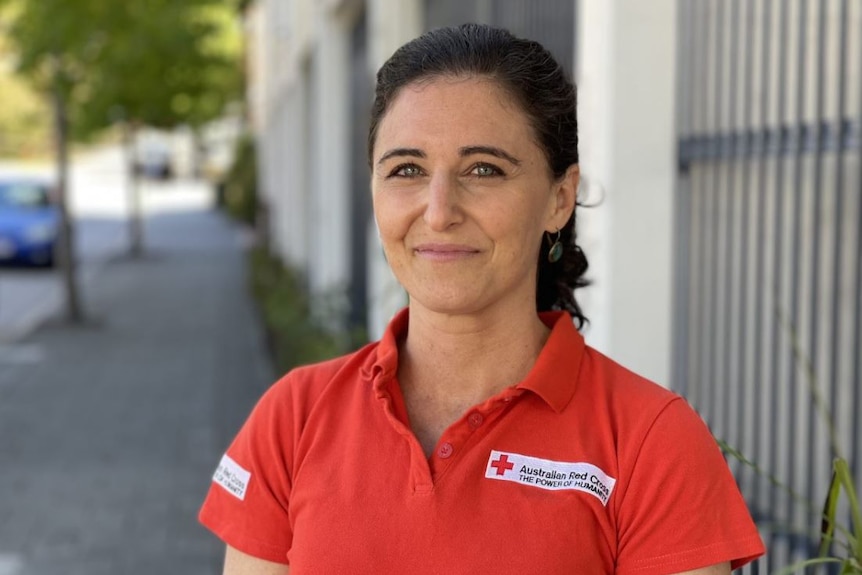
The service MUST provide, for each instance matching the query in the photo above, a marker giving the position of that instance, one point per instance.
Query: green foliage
(842, 481)
(25, 120)
(850, 541)
(847, 541)
(154, 62)
(240, 183)
(839, 544)
(294, 337)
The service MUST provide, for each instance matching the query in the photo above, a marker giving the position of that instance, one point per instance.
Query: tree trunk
(136, 231)
(198, 154)
(66, 251)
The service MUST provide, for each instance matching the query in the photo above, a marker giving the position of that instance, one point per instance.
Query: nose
(442, 210)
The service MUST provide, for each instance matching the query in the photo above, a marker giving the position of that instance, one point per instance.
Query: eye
(406, 171)
(486, 170)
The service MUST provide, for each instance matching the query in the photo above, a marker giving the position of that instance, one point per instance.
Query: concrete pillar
(329, 266)
(289, 166)
(282, 167)
(626, 76)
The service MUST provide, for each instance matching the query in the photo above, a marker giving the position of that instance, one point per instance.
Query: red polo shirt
(583, 467)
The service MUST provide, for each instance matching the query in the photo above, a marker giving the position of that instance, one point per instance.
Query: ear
(564, 198)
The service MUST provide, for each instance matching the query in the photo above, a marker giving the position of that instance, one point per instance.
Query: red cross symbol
(502, 465)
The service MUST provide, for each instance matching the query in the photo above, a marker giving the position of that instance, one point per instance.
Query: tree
(159, 63)
(178, 65)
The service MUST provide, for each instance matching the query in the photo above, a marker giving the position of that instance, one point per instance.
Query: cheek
(522, 224)
(391, 218)
(525, 241)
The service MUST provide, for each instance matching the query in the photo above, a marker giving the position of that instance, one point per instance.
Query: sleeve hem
(232, 536)
(738, 552)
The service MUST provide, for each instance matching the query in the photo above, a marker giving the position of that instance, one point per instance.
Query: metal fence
(768, 302)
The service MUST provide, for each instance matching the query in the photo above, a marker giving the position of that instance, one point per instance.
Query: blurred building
(720, 144)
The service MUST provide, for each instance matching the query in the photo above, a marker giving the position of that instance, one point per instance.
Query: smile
(444, 252)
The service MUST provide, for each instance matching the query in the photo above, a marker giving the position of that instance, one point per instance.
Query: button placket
(464, 434)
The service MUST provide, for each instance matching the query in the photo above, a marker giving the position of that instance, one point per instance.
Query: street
(110, 431)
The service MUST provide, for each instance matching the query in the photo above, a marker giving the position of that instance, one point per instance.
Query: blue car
(29, 221)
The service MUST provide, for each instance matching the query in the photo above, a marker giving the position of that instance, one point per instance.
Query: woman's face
(463, 195)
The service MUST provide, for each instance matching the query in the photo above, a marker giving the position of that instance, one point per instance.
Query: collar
(553, 377)
(382, 365)
(555, 373)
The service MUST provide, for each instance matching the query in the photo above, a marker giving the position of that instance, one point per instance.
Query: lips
(444, 252)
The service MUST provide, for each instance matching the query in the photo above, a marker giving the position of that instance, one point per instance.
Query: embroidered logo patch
(550, 475)
(232, 477)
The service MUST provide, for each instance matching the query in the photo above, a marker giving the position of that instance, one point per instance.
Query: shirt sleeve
(681, 509)
(247, 502)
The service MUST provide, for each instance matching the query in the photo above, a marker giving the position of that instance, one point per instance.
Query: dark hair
(536, 81)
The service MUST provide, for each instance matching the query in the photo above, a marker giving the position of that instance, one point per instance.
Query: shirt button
(475, 419)
(445, 451)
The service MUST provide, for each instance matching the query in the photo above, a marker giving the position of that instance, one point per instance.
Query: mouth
(444, 252)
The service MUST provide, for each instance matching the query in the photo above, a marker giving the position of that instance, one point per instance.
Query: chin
(449, 304)
(454, 302)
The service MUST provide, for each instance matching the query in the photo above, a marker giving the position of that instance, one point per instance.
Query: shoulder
(622, 392)
(637, 416)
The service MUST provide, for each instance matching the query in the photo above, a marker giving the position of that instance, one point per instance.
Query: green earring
(555, 252)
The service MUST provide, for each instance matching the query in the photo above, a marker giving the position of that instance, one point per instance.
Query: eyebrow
(463, 152)
(491, 151)
(398, 152)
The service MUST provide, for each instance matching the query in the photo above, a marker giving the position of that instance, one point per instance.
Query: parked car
(154, 159)
(29, 221)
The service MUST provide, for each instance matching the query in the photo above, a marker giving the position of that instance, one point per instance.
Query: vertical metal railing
(838, 211)
(856, 341)
(761, 143)
(798, 141)
(683, 208)
(769, 232)
(777, 271)
(743, 150)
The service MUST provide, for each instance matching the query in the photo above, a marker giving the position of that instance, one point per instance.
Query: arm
(720, 569)
(238, 563)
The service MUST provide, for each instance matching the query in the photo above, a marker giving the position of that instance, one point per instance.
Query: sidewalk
(109, 433)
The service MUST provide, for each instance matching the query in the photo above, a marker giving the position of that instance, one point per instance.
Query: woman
(480, 435)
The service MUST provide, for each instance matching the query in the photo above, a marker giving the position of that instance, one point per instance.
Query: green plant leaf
(739, 456)
(842, 472)
(830, 506)
(801, 565)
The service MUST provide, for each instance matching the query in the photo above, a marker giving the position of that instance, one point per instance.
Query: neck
(468, 358)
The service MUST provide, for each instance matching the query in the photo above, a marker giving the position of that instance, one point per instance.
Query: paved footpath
(109, 433)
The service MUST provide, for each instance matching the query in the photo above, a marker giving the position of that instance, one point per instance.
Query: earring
(555, 252)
